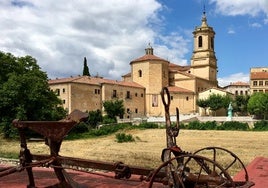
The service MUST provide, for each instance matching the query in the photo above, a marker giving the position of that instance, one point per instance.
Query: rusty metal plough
(180, 169)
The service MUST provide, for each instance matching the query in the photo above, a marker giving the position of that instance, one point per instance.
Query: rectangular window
(260, 83)
(266, 83)
(128, 95)
(142, 95)
(171, 97)
(97, 91)
(57, 91)
(255, 83)
(63, 90)
(136, 110)
(154, 101)
(114, 94)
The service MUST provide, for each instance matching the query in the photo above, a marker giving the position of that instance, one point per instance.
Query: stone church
(140, 89)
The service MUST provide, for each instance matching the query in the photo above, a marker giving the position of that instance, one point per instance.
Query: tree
(240, 104)
(94, 118)
(114, 108)
(215, 102)
(203, 103)
(258, 104)
(85, 70)
(25, 93)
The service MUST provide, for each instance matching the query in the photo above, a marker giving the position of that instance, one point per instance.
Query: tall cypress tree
(85, 70)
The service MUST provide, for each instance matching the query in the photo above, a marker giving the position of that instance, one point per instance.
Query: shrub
(82, 127)
(108, 129)
(107, 120)
(147, 125)
(122, 137)
(194, 125)
(261, 126)
(210, 125)
(233, 125)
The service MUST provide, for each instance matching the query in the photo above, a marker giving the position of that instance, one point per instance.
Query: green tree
(114, 108)
(240, 104)
(94, 118)
(258, 105)
(25, 93)
(203, 103)
(85, 70)
(215, 102)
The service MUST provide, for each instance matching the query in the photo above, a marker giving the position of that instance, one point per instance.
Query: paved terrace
(44, 177)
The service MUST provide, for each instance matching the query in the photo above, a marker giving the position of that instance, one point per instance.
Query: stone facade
(259, 79)
(140, 89)
(238, 88)
(88, 93)
(217, 91)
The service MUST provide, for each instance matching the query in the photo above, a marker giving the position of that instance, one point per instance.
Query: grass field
(148, 145)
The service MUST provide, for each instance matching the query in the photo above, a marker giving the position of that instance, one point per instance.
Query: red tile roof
(239, 83)
(176, 89)
(258, 75)
(148, 57)
(175, 67)
(93, 81)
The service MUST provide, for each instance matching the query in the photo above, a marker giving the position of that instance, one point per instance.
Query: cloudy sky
(111, 33)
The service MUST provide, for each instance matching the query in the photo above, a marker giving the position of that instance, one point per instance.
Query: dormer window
(200, 42)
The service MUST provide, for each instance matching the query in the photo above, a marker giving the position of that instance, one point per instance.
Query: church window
(212, 42)
(200, 42)
(140, 73)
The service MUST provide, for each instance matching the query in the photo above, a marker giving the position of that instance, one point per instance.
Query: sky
(110, 34)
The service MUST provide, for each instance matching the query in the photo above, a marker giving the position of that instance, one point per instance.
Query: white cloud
(256, 25)
(59, 34)
(241, 7)
(242, 77)
(231, 31)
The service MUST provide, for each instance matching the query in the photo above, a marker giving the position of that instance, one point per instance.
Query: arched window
(140, 73)
(200, 41)
(212, 42)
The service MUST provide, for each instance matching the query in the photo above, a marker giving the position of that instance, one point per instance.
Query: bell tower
(203, 61)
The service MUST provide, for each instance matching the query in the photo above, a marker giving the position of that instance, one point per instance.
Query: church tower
(203, 61)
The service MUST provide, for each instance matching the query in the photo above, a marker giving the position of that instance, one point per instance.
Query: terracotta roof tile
(258, 75)
(239, 83)
(148, 57)
(175, 67)
(176, 89)
(93, 81)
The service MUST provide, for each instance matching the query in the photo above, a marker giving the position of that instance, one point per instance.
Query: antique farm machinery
(180, 169)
